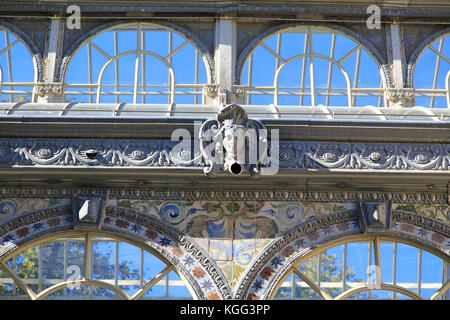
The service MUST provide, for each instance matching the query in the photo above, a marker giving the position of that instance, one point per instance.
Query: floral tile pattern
(11, 208)
(233, 230)
(438, 212)
(164, 242)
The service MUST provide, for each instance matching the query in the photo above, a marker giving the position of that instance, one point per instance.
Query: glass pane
(387, 261)
(303, 291)
(84, 292)
(432, 274)
(285, 290)
(6, 286)
(377, 295)
(129, 267)
(177, 288)
(152, 266)
(331, 270)
(407, 266)
(103, 260)
(26, 264)
(357, 264)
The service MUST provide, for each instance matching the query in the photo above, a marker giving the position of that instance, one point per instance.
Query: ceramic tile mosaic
(438, 212)
(10, 208)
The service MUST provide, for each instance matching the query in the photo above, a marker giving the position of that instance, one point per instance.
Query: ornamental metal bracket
(375, 216)
(44, 88)
(88, 211)
(233, 143)
(401, 97)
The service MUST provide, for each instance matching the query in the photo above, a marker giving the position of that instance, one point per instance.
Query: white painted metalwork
(105, 52)
(15, 59)
(433, 64)
(329, 280)
(309, 57)
(29, 279)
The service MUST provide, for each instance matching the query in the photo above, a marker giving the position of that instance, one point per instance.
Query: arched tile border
(262, 277)
(196, 266)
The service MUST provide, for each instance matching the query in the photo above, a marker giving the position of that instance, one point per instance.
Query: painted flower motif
(288, 251)
(213, 296)
(422, 232)
(136, 228)
(53, 222)
(266, 273)
(198, 272)
(437, 237)
(300, 243)
(313, 236)
(407, 227)
(163, 241)
(342, 226)
(207, 285)
(188, 261)
(23, 232)
(122, 223)
(151, 234)
(177, 251)
(38, 226)
(8, 238)
(252, 296)
(275, 262)
(257, 285)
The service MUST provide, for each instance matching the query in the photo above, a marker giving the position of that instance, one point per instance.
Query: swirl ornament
(421, 158)
(291, 215)
(329, 156)
(172, 213)
(44, 153)
(138, 155)
(8, 209)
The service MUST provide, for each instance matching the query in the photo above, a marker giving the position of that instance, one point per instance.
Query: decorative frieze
(297, 155)
(240, 195)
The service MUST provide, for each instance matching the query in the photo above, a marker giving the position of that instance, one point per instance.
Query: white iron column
(399, 96)
(225, 59)
(49, 91)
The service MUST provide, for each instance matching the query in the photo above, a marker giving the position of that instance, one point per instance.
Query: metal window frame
(110, 284)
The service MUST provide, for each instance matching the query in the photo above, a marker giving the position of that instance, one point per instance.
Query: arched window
(137, 63)
(312, 66)
(89, 267)
(432, 74)
(17, 70)
(378, 269)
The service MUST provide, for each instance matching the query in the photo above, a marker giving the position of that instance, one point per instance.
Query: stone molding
(232, 195)
(297, 155)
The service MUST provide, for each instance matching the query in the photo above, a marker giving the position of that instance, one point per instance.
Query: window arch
(105, 267)
(431, 73)
(17, 68)
(312, 66)
(137, 63)
(378, 268)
